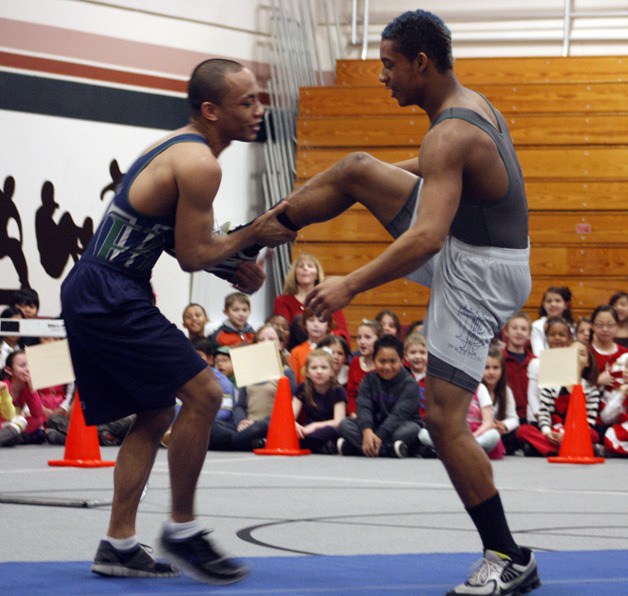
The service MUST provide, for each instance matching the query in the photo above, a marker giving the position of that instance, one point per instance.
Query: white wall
(74, 154)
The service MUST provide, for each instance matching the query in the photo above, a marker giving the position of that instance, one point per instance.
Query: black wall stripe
(69, 99)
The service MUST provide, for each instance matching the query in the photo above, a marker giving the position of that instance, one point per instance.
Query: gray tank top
(502, 223)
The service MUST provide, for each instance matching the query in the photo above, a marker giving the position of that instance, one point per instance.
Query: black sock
(490, 520)
(285, 221)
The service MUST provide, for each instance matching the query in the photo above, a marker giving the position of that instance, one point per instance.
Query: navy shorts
(127, 356)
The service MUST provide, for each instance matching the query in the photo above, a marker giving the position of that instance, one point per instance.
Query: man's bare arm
(196, 246)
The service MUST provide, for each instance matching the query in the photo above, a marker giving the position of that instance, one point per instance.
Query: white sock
(181, 531)
(123, 543)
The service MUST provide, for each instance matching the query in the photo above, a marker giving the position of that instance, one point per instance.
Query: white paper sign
(558, 367)
(256, 363)
(50, 364)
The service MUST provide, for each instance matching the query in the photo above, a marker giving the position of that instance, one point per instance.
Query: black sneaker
(498, 574)
(198, 556)
(137, 562)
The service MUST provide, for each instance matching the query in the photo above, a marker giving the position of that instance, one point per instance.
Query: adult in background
(128, 358)
(304, 274)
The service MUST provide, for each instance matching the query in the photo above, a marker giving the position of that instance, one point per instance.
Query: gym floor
(317, 524)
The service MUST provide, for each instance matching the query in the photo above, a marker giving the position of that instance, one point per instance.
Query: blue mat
(562, 573)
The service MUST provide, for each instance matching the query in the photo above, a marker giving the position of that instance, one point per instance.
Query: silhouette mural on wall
(9, 246)
(116, 176)
(57, 242)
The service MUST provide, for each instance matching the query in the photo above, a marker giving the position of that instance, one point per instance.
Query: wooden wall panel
(512, 71)
(373, 99)
(569, 121)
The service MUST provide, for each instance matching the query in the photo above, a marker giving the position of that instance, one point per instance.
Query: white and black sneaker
(227, 268)
(137, 562)
(200, 558)
(498, 574)
(400, 449)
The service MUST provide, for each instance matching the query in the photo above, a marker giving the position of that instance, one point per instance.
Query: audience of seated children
(26, 400)
(604, 325)
(387, 420)
(235, 330)
(304, 274)
(558, 333)
(415, 356)
(614, 413)
(319, 404)
(517, 356)
(367, 334)
(195, 320)
(254, 404)
(391, 325)
(316, 329)
(556, 303)
(619, 301)
(339, 349)
(546, 439)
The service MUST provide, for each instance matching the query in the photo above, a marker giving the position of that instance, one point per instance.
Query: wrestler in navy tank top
(128, 240)
(502, 223)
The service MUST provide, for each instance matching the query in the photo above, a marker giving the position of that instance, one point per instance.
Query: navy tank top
(504, 222)
(126, 239)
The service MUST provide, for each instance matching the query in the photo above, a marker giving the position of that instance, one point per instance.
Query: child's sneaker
(400, 449)
(137, 562)
(498, 574)
(198, 556)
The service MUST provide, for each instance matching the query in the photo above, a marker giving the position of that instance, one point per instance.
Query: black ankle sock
(285, 221)
(490, 520)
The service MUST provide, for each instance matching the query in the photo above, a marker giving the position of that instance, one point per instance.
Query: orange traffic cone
(81, 445)
(282, 435)
(576, 446)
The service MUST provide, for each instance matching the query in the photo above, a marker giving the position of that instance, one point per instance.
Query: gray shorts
(475, 290)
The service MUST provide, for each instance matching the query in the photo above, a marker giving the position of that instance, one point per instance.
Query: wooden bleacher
(569, 120)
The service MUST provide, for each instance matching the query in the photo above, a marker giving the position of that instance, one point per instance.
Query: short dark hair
(206, 345)
(26, 296)
(421, 31)
(388, 341)
(207, 81)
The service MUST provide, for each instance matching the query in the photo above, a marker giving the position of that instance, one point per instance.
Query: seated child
(546, 439)
(251, 414)
(338, 347)
(235, 330)
(323, 402)
(316, 329)
(614, 414)
(367, 334)
(415, 354)
(387, 420)
(25, 399)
